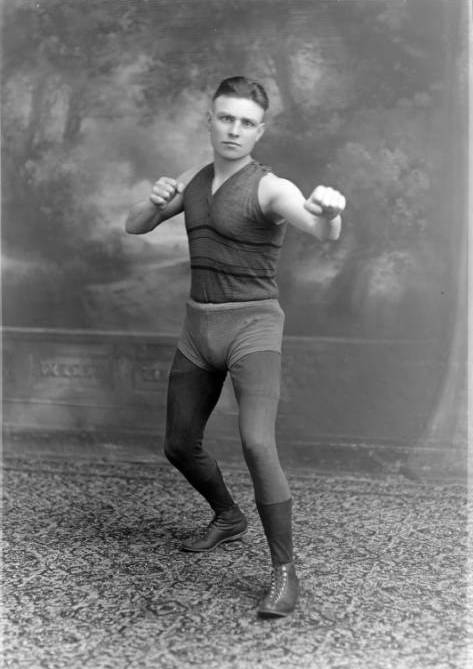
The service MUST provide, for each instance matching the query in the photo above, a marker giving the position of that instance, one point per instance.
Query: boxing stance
(236, 214)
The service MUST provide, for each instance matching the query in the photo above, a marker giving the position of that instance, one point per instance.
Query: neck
(225, 168)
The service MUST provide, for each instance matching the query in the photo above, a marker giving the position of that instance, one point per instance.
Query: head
(236, 117)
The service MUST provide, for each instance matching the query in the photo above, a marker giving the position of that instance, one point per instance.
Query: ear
(260, 133)
(209, 118)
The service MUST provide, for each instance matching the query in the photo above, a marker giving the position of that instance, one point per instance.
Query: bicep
(286, 202)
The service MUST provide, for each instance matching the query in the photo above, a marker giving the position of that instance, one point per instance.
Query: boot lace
(278, 584)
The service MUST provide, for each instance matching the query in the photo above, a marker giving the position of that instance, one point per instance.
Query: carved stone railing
(342, 399)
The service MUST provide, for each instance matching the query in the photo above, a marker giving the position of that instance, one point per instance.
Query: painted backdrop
(102, 97)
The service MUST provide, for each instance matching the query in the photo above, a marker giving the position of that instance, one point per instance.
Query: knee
(257, 449)
(182, 444)
(174, 448)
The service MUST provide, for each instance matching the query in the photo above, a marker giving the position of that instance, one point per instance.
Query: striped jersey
(234, 248)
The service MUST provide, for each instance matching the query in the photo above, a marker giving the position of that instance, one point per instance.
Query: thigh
(257, 374)
(192, 394)
(256, 379)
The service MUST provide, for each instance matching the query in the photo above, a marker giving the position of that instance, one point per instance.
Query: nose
(234, 129)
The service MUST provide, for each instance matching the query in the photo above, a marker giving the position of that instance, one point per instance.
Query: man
(236, 214)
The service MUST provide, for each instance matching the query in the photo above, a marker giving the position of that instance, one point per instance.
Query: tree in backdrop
(95, 101)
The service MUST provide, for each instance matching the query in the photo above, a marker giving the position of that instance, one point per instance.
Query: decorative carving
(71, 369)
(150, 372)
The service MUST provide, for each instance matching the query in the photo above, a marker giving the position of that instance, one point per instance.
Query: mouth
(232, 144)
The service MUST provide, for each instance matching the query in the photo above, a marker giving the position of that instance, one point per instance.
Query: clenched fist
(164, 190)
(326, 202)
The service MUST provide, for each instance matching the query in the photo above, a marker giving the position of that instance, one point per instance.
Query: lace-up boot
(283, 593)
(228, 525)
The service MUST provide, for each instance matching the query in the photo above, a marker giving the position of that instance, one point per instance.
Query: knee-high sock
(277, 525)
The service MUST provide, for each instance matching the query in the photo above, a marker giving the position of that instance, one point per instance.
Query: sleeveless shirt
(234, 248)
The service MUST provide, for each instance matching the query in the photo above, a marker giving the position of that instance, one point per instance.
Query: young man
(236, 213)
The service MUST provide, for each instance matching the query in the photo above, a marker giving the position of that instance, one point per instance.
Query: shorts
(215, 336)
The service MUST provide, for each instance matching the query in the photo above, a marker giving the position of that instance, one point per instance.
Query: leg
(256, 379)
(193, 393)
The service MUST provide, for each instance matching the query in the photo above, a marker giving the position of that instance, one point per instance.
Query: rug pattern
(94, 578)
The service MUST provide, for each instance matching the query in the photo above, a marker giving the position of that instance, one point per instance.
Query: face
(235, 125)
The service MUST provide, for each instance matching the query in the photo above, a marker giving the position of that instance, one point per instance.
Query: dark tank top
(234, 248)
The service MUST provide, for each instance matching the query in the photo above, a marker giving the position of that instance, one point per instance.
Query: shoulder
(186, 177)
(272, 188)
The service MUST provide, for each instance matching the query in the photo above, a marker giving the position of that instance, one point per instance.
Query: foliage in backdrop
(102, 97)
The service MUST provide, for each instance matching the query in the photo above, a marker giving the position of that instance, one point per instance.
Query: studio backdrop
(101, 98)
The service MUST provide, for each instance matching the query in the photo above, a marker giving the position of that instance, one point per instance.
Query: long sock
(277, 525)
(192, 395)
(213, 489)
(216, 492)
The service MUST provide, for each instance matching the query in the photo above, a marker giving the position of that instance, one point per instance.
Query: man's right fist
(164, 190)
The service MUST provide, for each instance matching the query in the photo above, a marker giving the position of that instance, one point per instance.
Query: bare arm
(319, 215)
(145, 216)
(165, 201)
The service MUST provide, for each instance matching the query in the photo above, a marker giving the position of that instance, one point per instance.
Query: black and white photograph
(235, 329)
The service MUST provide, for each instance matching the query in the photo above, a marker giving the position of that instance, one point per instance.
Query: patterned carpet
(93, 575)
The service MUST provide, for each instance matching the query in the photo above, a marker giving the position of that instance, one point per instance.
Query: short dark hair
(242, 87)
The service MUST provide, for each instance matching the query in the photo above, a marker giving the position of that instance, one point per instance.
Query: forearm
(142, 218)
(318, 226)
(326, 230)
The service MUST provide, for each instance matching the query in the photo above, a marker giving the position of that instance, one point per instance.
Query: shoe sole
(235, 537)
(273, 614)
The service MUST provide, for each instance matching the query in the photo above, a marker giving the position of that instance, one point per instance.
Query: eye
(248, 124)
(226, 118)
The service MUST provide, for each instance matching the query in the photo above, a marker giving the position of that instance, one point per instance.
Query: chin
(232, 155)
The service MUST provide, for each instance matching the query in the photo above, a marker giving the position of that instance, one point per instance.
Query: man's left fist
(326, 202)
